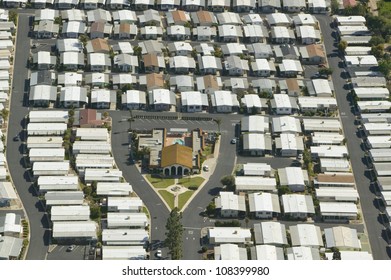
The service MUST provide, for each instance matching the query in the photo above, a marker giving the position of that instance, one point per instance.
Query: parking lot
(61, 253)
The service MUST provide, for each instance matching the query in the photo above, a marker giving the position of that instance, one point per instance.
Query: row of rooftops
(69, 210)
(271, 237)
(316, 6)
(370, 88)
(173, 17)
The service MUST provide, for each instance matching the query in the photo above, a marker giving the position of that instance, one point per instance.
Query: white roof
(298, 203)
(291, 65)
(338, 209)
(306, 235)
(264, 202)
(291, 176)
(255, 124)
(100, 134)
(342, 237)
(50, 166)
(10, 224)
(104, 175)
(308, 102)
(337, 193)
(230, 252)
(75, 229)
(303, 253)
(125, 236)
(270, 233)
(70, 213)
(307, 31)
(194, 98)
(70, 78)
(120, 220)
(375, 106)
(352, 255)
(46, 153)
(350, 20)
(229, 234)
(331, 151)
(48, 116)
(256, 168)
(125, 204)
(114, 189)
(230, 201)
(223, 98)
(46, 128)
(304, 19)
(181, 61)
(161, 96)
(123, 253)
(278, 18)
(322, 86)
(269, 252)
(372, 92)
(256, 141)
(252, 100)
(362, 60)
(91, 147)
(335, 164)
(134, 97)
(7, 191)
(286, 124)
(255, 183)
(289, 142)
(331, 125)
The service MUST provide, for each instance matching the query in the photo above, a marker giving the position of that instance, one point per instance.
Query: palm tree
(218, 122)
(130, 120)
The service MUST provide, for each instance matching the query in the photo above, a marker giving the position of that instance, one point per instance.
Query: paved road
(40, 235)
(367, 198)
(120, 143)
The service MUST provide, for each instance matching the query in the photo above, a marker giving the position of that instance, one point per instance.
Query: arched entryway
(180, 170)
(167, 171)
(173, 171)
(187, 171)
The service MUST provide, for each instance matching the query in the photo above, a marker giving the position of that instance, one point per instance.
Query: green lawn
(168, 197)
(145, 210)
(187, 182)
(207, 151)
(160, 183)
(183, 198)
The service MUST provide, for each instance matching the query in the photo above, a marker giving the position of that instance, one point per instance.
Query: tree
(326, 71)
(218, 122)
(342, 45)
(174, 234)
(84, 39)
(218, 52)
(210, 209)
(334, 6)
(13, 16)
(378, 51)
(95, 211)
(228, 181)
(336, 254)
(385, 67)
(137, 50)
(57, 20)
(376, 40)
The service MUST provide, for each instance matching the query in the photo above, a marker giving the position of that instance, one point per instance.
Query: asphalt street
(375, 229)
(39, 228)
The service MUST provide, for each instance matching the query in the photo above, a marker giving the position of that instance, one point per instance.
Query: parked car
(205, 168)
(71, 248)
(16, 138)
(159, 254)
(319, 76)
(233, 141)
